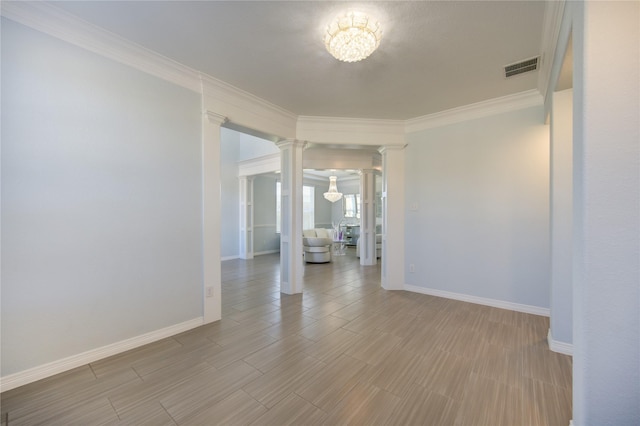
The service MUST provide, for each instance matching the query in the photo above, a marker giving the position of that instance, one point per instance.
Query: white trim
(60, 24)
(518, 307)
(551, 24)
(350, 131)
(557, 346)
(259, 165)
(247, 110)
(222, 259)
(323, 157)
(244, 108)
(21, 378)
(211, 214)
(482, 109)
(260, 253)
(238, 105)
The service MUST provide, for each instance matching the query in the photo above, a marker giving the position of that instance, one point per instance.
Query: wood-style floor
(344, 352)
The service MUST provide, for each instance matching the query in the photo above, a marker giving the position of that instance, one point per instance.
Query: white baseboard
(260, 253)
(518, 307)
(557, 346)
(40, 372)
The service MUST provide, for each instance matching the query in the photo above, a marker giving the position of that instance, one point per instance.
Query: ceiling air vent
(521, 67)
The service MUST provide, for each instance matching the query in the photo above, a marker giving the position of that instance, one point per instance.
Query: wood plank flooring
(344, 352)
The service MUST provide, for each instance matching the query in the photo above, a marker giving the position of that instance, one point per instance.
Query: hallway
(344, 352)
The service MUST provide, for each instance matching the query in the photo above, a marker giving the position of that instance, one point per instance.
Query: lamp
(352, 37)
(333, 195)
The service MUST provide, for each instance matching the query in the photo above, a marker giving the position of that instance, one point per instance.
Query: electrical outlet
(209, 291)
(412, 268)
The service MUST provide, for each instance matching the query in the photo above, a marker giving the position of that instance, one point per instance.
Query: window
(308, 207)
(351, 205)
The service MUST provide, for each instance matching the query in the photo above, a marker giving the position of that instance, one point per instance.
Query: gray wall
(230, 194)
(235, 147)
(265, 238)
(322, 213)
(561, 301)
(254, 147)
(101, 201)
(482, 194)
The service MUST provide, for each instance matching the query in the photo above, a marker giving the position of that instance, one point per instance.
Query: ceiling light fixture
(333, 195)
(352, 37)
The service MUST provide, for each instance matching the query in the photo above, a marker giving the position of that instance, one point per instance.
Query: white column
(606, 213)
(291, 266)
(246, 217)
(212, 275)
(561, 220)
(367, 241)
(393, 217)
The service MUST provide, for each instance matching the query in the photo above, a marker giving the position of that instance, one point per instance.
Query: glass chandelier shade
(333, 195)
(352, 37)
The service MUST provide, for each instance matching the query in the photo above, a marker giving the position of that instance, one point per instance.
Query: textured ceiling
(433, 56)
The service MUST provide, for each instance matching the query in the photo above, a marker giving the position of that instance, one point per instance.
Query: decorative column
(291, 266)
(367, 241)
(606, 213)
(212, 274)
(560, 338)
(246, 217)
(393, 217)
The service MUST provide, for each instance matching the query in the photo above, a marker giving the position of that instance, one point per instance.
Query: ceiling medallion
(352, 37)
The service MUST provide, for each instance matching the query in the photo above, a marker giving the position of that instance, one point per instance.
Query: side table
(338, 247)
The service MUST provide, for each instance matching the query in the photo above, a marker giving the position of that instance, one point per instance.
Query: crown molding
(236, 105)
(60, 24)
(214, 118)
(482, 109)
(255, 166)
(388, 148)
(552, 22)
(350, 131)
(344, 159)
(247, 110)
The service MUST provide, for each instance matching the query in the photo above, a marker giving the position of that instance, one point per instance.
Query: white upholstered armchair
(316, 244)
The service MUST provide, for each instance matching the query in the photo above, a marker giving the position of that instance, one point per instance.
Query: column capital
(386, 148)
(372, 171)
(215, 118)
(290, 142)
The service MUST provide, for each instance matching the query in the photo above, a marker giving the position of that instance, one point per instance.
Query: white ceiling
(433, 55)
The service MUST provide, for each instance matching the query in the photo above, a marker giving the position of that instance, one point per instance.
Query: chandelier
(352, 37)
(333, 195)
